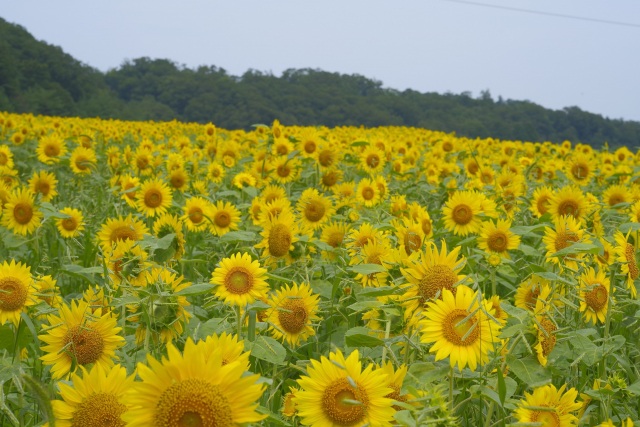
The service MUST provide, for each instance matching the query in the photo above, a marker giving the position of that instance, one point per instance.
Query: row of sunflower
(181, 274)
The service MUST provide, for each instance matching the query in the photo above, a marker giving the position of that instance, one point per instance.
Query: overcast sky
(426, 45)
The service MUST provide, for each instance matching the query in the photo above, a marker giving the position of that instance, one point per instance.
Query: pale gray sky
(426, 45)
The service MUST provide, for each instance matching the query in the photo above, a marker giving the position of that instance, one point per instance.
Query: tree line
(40, 78)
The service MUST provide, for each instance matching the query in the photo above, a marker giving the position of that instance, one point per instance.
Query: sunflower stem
(387, 332)
(451, 388)
(239, 321)
(251, 332)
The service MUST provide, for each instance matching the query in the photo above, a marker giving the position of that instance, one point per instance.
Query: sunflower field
(178, 274)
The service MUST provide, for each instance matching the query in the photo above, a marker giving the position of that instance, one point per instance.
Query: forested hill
(40, 78)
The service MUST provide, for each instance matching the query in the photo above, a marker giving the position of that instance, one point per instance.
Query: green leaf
(528, 230)
(359, 144)
(377, 292)
(323, 288)
(210, 327)
(579, 247)
(365, 305)
(267, 349)
(85, 273)
(405, 418)
(528, 370)
(239, 236)
(365, 269)
(197, 289)
(424, 373)
(629, 226)
(359, 337)
(502, 387)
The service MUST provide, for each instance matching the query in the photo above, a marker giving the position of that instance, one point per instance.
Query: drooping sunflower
(292, 313)
(162, 309)
(20, 213)
(163, 226)
(197, 213)
(188, 389)
(569, 201)
(429, 276)
(462, 213)
(71, 226)
(83, 160)
(93, 399)
(17, 291)
(565, 233)
(127, 228)
(154, 197)
(78, 336)
(314, 208)
(50, 149)
(368, 193)
(594, 295)
(549, 406)
(497, 238)
(459, 328)
(278, 237)
(44, 183)
(224, 218)
(240, 280)
(337, 392)
(626, 255)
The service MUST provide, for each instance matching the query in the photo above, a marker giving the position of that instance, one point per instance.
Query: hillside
(40, 78)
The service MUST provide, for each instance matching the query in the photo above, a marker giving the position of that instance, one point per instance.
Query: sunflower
(395, 378)
(285, 169)
(549, 407)
(163, 313)
(569, 201)
(240, 280)
(498, 313)
(626, 255)
(127, 261)
(333, 234)
(228, 348)
(143, 161)
(634, 214)
(72, 225)
(616, 194)
(331, 178)
(77, 336)
(273, 209)
(529, 291)
(83, 160)
(410, 235)
(197, 213)
(6, 157)
(338, 392)
(215, 172)
(565, 233)
(292, 313)
(16, 291)
(540, 201)
(374, 252)
(96, 398)
(44, 183)
(545, 326)
(273, 192)
(580, 169)
(46, 290)
(498, 238)
(163, 226)
(20, 214)
(459, 328)
(462, 213)
(153, 198)
(289, 408)
(244, 179)
(129, 186)
(178, 179)
(224, 218)
(278, 237)
(358, 237)
(372, 160)
(429, 276)
(50, 149)
(594, 295)
(187, 389)
(314, 208)
(127, 228)
(626, 423)
(368, 193)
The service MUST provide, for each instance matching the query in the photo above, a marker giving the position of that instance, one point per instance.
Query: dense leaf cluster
(40, 78)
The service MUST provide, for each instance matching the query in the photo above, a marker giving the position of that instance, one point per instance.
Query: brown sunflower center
(472, 167)
(142, 162)
(283, 171)
(412, 242)
(462, 214)
(43, 187)
(548, 339)
(616, 198)
(238, 281)
(99, 409)
(543, 204)
(395, 395)
(373, 160)
(531, 298)
(437, 278)
(69, 224)
(279, 240)
(459, 331)
(128, 192)
(222, 219)
(13, 293)
(546, 418)
(84, 343)
(335, 239)
(293, 315)
(193, 403)
(22, 213)
(82, 163)
(580, 171)
(630, 255)
(314, 211)
(330, 179)
(368, 193)
(344, 404)
(196, 215)
(498, 241)
(325, 158)
(309, 147)
(152, 198)
(597, 297)
(569, 207)
(426, 226)
(177, 180)
(123, 232)
(51, 150)
(565, 239)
